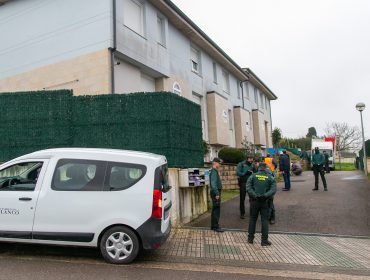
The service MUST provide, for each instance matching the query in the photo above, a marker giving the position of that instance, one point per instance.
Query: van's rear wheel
(119, 245)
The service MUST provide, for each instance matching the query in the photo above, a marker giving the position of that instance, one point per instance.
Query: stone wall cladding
(228, 176)
(87, 74)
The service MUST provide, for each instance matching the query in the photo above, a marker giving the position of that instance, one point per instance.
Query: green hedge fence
(158, 122)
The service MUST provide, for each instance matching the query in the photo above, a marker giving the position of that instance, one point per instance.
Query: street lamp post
(360, 107)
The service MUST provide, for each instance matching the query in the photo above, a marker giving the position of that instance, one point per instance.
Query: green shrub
(231, 155)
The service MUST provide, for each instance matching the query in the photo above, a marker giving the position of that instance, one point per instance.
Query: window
(161, 179)
(161, 31)
(247, 90)
(262, 100)
(133, 16)
(238, 88)
(256, 96)
(176, 88)
(198, 99)
(78, 175)
(195, 60)
(215, 72)
(266, 103)
(20, 177)
(225, 82)
(230, 116)
(121, 176)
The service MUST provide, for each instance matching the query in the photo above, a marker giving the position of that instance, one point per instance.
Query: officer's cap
(216, 159)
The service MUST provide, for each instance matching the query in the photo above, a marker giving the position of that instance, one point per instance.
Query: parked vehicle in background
(115, 200)
(327, 145)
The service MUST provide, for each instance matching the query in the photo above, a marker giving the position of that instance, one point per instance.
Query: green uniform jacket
(242, 170)
(261, 184)
(215, 182)
(326, 158)
(318, 159)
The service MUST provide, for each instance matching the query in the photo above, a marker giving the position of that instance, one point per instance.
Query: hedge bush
(231, 155)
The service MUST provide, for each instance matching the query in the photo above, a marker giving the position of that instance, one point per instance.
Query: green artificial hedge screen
(157, 122)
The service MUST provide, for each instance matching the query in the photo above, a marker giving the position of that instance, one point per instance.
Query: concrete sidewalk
(298, 252)
(343, 210)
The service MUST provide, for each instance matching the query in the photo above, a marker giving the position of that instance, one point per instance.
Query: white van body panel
(22, 217)
(66, 213)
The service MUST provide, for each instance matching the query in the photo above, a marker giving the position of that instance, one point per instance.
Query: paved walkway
(343, 210)
(231, 246)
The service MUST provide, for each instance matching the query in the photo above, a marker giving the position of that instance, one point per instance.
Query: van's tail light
(157, 204)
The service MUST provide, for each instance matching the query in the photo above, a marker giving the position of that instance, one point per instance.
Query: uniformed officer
(326, 155)
(270, 201)
(318, 161)
(215, 191)
(261, 186)
(244, 170)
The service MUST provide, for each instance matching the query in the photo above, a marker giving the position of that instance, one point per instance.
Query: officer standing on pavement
(284, 165)
(326, 155)
(261, 186)
(215, 191)
(244, 170)
(318, 161)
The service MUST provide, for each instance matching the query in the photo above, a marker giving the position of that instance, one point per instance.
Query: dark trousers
(286, 176)
(327, 169)
(318, 169)
(216, 211)
(259, 207)
(243, 193)
(271, 209)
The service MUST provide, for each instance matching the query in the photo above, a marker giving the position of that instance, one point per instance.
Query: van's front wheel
(119, 245)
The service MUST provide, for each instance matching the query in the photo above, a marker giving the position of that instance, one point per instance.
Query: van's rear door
(163, 184)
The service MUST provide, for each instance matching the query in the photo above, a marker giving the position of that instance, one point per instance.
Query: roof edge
(268, 91)
(178, 11)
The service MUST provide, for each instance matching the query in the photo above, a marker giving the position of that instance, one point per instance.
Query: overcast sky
(313, 54)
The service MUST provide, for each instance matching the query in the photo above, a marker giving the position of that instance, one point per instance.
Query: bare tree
(348, 138)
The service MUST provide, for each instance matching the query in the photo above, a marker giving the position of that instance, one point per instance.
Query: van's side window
(20, 177)
(121, 176)
(79, 175)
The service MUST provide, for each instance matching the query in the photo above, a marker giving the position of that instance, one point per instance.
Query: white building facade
(124, 46)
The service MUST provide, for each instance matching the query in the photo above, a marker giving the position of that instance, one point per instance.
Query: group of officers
(258, 181)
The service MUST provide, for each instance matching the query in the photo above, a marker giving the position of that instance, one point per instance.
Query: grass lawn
(229, 194)
(345, 167)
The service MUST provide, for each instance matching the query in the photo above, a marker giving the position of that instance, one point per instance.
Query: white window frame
(161, 30)
(140, 32)
(214, 65)
(230, 117)
(198, 99)
(262, 100)
(256, 96)
(195, 60)
(247, 90)
(176, 89)
(238, 89)
(225, 81)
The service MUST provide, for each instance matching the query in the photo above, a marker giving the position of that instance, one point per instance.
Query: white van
(116, 200)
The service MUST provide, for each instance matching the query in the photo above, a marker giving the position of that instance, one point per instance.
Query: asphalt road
(343, 210)
(39, 269)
